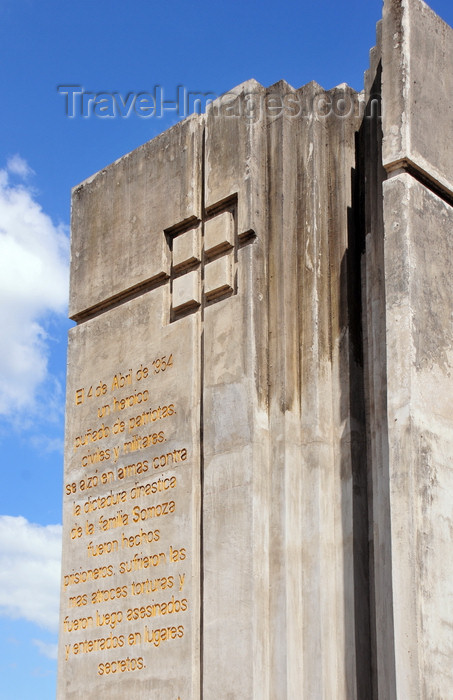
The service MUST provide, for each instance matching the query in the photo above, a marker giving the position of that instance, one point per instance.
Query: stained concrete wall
(258, 436)
(407, 327)
(418, 85)
(418, 255)
(243, 282)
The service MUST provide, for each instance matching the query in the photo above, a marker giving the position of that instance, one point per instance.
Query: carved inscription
(128, 498)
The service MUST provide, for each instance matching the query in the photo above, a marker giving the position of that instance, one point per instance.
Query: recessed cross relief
(197, 258)
(204, 259)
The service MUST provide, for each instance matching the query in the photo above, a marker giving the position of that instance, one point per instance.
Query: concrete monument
(258, 473)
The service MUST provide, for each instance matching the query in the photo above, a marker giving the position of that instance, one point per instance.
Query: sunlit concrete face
(183, 373)
(257, 425)
(131, 551)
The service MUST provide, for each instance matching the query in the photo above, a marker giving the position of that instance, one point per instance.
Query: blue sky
(102, 46)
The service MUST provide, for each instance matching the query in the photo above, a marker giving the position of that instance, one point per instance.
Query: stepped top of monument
(403, 53)
(404, 73)
(254, 102)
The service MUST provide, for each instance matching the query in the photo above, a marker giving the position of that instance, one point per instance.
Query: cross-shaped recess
(204, 260)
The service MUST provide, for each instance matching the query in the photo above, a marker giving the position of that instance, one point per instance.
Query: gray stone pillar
(258, 439)
(209, 491)
(408, 327)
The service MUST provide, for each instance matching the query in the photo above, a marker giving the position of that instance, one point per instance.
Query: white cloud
(47, 444)
(18, 166)
(46, 649)
(33, 283)
(30, 563)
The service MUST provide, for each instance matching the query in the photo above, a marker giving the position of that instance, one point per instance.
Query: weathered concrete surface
(369, 260)
(407, 342)
(132, 500)
(419, 341)
(235, 438)
(131, 552)
(286, 478)
(417, 53)
(259, 440)
(251, 305)
(118, 215)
